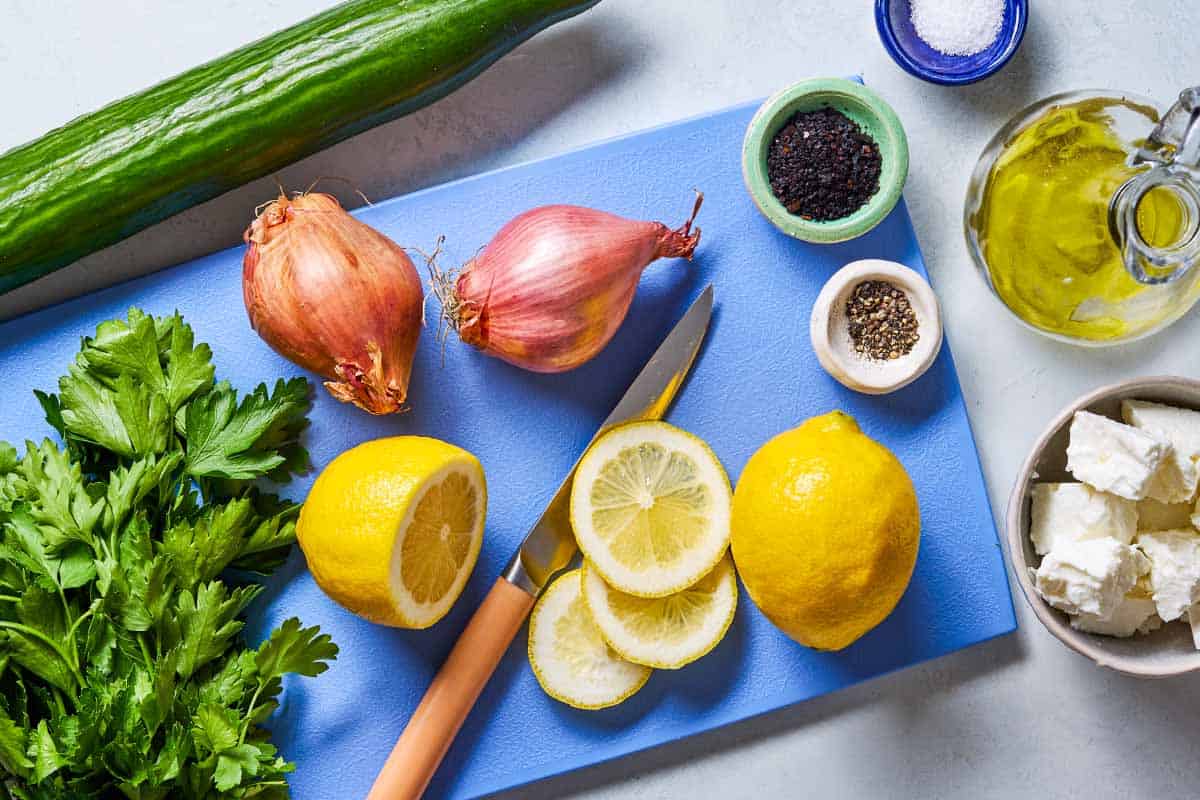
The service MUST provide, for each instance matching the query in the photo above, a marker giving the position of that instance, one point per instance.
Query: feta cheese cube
(1112, 457)
(1174, 570)
(1134, 614)
(1090, 576)
(1071, 511)
(1153, 515)
(1176, 479)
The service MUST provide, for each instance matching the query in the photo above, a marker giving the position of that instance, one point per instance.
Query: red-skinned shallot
(335, 296)
(552, 287)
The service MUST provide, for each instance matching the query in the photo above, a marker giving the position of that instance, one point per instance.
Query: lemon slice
(570, 658)
(666, 632)
(650, 507)
(392, 528)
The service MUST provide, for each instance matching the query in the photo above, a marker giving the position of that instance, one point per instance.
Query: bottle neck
(1155, 215)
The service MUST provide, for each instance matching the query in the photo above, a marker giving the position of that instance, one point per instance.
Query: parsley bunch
(122, 669)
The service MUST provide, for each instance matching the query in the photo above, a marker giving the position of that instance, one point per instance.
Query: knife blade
(550, 545)
(547, 549)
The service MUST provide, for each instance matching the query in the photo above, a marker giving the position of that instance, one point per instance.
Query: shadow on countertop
(907, 689)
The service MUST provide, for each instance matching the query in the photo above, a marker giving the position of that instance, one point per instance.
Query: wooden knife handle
(453, 692)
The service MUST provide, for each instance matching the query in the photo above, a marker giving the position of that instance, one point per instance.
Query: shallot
(335, 296)
(551, 289)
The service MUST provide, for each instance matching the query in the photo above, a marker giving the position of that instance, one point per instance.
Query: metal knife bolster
(550, 545)
(547, 549)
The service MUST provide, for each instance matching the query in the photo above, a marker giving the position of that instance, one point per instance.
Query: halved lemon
(665, 632)
(392, 528)
(570, 658)
(650, 507)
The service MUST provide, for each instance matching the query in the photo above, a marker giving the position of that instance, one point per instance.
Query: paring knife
(549, 548)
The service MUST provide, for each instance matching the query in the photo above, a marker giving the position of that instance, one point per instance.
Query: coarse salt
(958, 27)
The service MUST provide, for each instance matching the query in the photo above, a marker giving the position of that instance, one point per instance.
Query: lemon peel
(826, 529)
(392, 528)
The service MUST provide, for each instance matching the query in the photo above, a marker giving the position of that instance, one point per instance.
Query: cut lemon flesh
(392, 528)
(650, 506)
(665, 632)
(437, 548)
(568, 655)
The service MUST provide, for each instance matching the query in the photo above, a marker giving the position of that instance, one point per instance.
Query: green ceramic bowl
(858, 103)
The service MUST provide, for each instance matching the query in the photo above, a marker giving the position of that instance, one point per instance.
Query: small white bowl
(830, 330)
(1168, 650)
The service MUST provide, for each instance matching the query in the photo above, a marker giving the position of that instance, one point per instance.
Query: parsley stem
(62, 595)
(53, 645)
(145, 651)
(8, 598)
(58, 701)
(77, 622)
(74, 627)
(250, 712)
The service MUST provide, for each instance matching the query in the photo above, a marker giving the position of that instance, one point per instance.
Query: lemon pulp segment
(439, 538)
(568, 655)
(666, 632)
(650, 507)
(649, 504)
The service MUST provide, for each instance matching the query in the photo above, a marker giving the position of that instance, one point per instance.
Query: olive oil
(1043, 222)
(1161, 217)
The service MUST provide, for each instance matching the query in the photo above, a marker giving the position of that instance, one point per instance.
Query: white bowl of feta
(1103, 526)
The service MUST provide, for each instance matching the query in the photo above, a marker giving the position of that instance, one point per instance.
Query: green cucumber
(111, 173)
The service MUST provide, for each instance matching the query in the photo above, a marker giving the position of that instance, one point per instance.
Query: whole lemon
(825, 531)
(392, 528)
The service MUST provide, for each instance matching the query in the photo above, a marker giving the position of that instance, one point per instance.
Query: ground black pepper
(883, 325)
(822, 166)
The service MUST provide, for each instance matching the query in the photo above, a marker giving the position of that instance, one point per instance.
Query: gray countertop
(1020, 715)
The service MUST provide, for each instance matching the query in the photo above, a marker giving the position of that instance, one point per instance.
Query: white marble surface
(1019, 716)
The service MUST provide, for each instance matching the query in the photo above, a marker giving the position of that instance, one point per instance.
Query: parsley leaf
(12, 747)
(250, 440)
(130, 486)
(129, 418)
(158, 353)
(59, 501)
(40, 657)
(201, 549)
(44, 754)
(122, 663)
(269, 544)
(216, 732)
(8, 458)
(291, 648)
(189, 368)
(204, 623)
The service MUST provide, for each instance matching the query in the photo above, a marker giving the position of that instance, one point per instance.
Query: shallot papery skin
(335, 296)
(551, 289)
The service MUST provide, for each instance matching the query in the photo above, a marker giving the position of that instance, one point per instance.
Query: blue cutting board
(757, 376)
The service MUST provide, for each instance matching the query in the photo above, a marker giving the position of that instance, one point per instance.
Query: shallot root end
(443, 284)
(682, 242)
(367, 388)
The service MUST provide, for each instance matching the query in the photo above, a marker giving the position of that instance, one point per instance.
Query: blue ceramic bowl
(893, 18)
